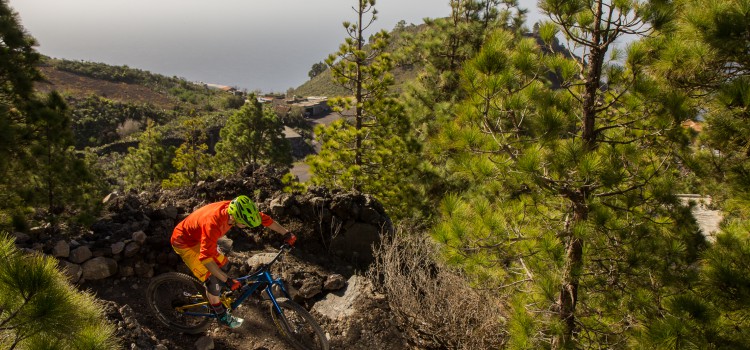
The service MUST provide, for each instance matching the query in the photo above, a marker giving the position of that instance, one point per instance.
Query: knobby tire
(298, 327)
(172, 289)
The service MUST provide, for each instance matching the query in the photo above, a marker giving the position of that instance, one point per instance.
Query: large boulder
(343, 304)
(334, 282)
(80, 254)
(258, 260)
(143, 269)
(99, 268)
(72, 271)
(131, 249)
(118, 247)
(21, 237)
(204, 343)
(140, 237)
(310, 288)
(61, 249)
(169, 212)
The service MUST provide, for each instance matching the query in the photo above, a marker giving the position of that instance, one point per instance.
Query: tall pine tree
(38, 167)
(568, 206)
(60, 174)
(442, 49)
(705, 57)
(18, 73)
(369, 151)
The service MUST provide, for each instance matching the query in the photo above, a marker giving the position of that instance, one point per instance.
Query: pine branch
(15, 313)
(633, 187)
(504, 286)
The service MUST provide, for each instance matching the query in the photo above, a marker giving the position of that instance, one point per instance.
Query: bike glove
(290, 238)
(232, 284)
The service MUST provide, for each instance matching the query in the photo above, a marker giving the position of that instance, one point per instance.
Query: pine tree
(448, 42)
(704, 57)
(40, 309)
(317, 69)
(191, 160)
(442, 49)
(150, 162)
(371, 151)
(38, 166)
(252, 136)
(18, 73)
(57, 172)
(568, 202)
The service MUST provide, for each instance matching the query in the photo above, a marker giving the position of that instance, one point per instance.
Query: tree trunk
(568, 298)
(574, 256)
(593, 82)
(569, 291)
(358, 96)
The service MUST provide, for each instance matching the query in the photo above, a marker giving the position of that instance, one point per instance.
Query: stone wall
(131, 238)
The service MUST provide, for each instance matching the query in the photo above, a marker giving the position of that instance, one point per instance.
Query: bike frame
(251, 283)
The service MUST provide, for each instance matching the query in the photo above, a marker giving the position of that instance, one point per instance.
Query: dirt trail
(257, 332)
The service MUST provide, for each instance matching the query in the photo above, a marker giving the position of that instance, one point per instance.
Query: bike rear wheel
(170, 291)
(298, 326)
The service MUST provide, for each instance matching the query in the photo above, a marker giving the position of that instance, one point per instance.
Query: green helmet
(244, 211)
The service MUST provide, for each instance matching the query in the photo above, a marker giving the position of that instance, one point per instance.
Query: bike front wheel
(298, 326)
(178, 301)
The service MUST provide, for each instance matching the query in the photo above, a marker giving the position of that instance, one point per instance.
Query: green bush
(233, 102)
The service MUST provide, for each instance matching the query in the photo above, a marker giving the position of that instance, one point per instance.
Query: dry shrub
(433, 303)
(128, 127)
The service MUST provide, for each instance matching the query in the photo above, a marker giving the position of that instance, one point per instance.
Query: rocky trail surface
(118, 255)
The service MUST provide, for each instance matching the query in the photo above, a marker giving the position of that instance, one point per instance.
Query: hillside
(323, 84)
(403, 72)
(109, 103)
(72, 84)
(129, 85)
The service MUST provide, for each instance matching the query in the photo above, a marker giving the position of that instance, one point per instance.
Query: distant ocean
(248, 44)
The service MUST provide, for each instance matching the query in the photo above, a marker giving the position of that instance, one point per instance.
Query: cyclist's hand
(232, 284)
(290, 238)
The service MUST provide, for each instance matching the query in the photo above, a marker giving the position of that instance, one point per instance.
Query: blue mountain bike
(179, 301)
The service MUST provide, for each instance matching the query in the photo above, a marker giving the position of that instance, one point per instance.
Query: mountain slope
(323, 84)
(81, 86)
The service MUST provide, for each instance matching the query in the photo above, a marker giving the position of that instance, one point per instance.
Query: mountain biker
(195, 240)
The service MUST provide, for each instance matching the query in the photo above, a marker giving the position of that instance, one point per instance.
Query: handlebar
(283, 249)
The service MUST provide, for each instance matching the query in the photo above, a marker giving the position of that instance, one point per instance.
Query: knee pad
(213, 286)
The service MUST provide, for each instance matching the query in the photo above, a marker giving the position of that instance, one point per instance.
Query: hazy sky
(252, 44)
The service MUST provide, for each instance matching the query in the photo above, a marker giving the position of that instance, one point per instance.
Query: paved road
(302, 170)
(327, 119)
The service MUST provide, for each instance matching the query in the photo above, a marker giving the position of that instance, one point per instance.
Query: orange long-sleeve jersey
(205, 226)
